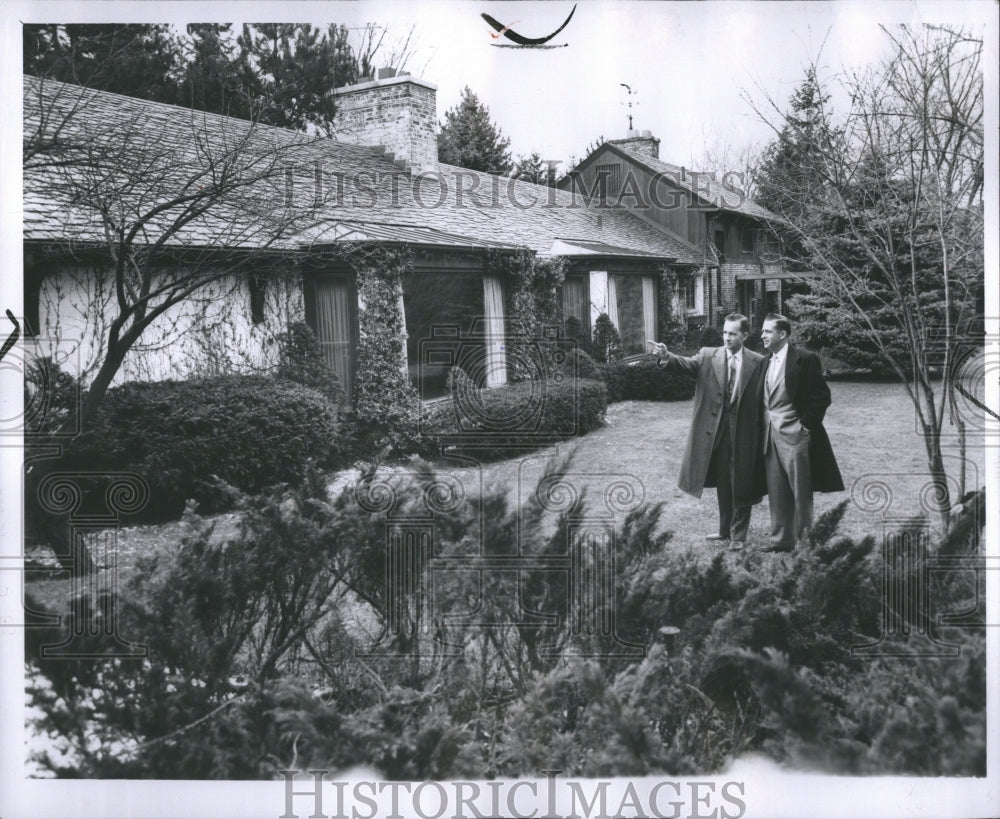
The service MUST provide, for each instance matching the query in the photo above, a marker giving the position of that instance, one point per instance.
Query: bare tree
(731, 164)
(163, 201)
(154, 206)
(884, 209)
(372, 48)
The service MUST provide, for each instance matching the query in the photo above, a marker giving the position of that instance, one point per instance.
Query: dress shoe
(775, 547)
(714, 538)
(736, 545)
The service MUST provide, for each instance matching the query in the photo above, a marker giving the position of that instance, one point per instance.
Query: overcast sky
(690, 63)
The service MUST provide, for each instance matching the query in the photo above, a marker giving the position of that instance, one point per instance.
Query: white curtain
(404, 366)
(333, 327)
(598, 294)
(496, 365)
(648, 310)
(613, 301)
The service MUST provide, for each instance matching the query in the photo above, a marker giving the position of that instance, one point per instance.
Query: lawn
(872, 428)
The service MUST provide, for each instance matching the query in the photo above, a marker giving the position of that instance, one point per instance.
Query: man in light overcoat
(791, 397)
(722, 444)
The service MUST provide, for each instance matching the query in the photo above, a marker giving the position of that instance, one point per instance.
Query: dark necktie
(732, 379)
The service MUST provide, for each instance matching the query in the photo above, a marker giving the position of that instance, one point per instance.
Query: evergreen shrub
(250, 431)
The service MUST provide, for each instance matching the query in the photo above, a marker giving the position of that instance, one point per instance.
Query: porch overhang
(783, 275)
(579, 248)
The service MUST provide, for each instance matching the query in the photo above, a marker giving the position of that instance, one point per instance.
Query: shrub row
(644, 381)
(502, 421)
(250, 431)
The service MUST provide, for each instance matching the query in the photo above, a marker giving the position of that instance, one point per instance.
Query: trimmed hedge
(250, 431)
(503, 421)
(645, 381)
(580, 364)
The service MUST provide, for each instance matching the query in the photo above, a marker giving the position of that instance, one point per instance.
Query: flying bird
(520, 39)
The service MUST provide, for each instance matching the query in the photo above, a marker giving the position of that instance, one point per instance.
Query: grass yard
(871, 425)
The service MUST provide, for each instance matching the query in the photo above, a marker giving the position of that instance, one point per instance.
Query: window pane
(442, 311)
(334, 317)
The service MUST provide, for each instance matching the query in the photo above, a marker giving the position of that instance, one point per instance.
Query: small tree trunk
(938, 497)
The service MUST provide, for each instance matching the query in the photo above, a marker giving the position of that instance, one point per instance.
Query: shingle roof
(705, 186)
(150, 152)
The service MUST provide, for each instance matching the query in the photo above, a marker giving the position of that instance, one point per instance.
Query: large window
(634, 299)
(446, 326)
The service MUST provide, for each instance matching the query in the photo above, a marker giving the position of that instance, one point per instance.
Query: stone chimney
(398, 113)
(642, 142)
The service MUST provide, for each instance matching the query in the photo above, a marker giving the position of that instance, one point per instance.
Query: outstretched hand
(657, 348)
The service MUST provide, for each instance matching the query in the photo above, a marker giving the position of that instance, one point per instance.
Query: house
(741, 268)
(306, 228)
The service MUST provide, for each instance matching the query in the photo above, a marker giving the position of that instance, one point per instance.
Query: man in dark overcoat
(722, 443)
(791, 397)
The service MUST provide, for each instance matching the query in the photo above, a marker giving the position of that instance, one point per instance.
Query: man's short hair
(743, 320)
(780, 322)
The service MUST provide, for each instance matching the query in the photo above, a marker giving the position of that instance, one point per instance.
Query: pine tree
(278, 74)
(532, 168)
(792, 168)
(469, 138)
(135, 60)
(294, 69)
(213, 80)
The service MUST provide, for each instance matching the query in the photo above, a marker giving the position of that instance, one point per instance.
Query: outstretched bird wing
(521, 40)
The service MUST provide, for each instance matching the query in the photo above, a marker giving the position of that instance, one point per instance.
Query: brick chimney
(642, 142)
(398, 113)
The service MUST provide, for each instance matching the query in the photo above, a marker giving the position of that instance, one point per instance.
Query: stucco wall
(211, 333)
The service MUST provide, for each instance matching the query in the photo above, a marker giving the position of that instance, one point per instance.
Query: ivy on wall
(671, 328)
(533, 305)
(386, 406)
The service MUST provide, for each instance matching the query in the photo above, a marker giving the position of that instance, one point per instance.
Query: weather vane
(631, 93)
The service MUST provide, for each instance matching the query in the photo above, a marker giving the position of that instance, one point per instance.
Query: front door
(331, 310)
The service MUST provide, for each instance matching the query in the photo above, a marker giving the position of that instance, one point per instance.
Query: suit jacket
(810, 396)
(709, 368)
